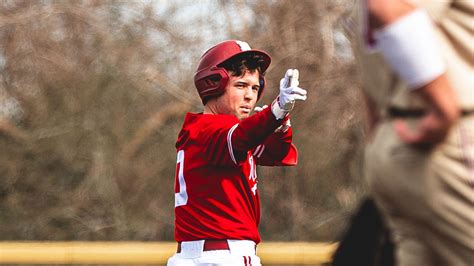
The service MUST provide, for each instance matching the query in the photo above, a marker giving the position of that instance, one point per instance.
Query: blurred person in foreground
(217, 205)
(417, 68)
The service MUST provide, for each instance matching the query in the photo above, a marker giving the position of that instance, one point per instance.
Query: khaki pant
(426, 197)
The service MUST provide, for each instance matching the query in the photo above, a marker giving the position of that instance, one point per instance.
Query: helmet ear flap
(211, 82)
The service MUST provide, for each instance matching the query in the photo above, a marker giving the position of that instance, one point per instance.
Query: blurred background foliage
(93, 94)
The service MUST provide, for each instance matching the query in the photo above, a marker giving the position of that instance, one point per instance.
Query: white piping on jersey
(229, 142)
(259, 150)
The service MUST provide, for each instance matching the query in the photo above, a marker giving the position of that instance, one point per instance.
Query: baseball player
(217, 205)
(417, 61)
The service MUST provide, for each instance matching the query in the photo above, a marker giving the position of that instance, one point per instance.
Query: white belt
(194, 249)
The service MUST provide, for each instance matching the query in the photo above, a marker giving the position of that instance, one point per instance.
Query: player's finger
(298, 91)
(288, 78)
(295, 78)
(404, 132)
(299, 97)
(294, 83)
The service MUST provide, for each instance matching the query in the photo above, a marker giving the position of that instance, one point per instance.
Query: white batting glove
(289, 93)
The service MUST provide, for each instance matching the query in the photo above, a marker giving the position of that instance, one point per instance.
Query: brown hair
(238, 65)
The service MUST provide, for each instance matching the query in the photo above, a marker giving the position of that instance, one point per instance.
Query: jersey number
(180, 194)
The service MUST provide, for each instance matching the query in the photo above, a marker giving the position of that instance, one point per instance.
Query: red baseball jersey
(216, 194)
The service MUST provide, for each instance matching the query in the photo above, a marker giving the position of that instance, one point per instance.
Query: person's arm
(248, 134)
(227, 140)
(418, 62)
(243, 136)
(443, 113)
(251, 132)
(278, 149)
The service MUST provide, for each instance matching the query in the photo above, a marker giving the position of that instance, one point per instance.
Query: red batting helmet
(210, 78)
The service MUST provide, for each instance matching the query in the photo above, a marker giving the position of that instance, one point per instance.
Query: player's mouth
(246, 109)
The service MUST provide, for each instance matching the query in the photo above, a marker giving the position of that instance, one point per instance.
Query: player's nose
(250, 93)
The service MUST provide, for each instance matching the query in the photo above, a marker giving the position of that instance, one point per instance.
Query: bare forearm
(441, 98)
(442, 114)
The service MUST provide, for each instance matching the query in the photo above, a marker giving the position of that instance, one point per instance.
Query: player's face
(240, 95)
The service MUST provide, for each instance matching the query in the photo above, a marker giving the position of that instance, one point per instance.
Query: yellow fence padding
(147, 252)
